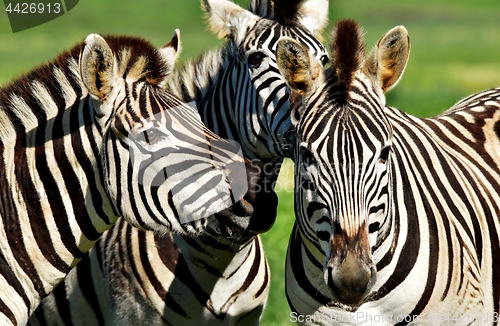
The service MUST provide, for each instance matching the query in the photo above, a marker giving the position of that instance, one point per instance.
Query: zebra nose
(351, 280)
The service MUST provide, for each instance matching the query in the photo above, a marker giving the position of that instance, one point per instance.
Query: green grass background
(455, 52)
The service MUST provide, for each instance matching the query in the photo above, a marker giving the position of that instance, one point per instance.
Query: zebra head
(162, 169)
(258, 91)
(343, 151)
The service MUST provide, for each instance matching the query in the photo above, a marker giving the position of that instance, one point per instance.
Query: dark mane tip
(154, 71)
(287, 12)
(347, 51)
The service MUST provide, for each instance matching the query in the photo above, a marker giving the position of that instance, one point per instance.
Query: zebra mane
(194, 78)
(137, 58)
(286, 12)
(154, 68)
(347, 52)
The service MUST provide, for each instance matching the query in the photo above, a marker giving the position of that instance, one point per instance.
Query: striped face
(342, 183)
(270, 133)
(254, 96)
(163, 169)
(177, 170)
(343, 152)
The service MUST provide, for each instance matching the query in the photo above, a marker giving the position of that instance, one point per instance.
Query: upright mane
(137, 57)
(286, 12)
(347, 53)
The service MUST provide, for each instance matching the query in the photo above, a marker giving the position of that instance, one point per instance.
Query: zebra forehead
(268, 33)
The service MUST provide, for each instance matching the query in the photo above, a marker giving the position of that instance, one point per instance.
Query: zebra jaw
(255, 213)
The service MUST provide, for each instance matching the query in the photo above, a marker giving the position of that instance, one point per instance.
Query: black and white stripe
(397, 216)
(68, 130)
(211, 280)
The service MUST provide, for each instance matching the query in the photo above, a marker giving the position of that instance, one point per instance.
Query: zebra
(396, 216)
(79, 137)
(241, 96)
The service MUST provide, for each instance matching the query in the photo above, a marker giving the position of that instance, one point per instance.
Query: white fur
(314, 16)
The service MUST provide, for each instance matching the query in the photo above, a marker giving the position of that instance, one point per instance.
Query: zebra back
(90, 137)
(397, 217)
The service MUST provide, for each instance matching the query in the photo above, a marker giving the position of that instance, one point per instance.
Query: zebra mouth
(344, 307)
(234, 229)
(252, 215)
(350, 288)
(265, 211)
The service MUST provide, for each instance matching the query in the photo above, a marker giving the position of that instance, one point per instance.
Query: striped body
(397, 216)
(68, 131)
(157, 279)
(241, 96)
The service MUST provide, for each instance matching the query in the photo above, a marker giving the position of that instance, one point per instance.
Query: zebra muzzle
(350, 272)
(255, 213)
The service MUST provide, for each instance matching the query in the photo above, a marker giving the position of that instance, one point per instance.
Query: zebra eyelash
(255, 59)
(147, 137)
(153, 136)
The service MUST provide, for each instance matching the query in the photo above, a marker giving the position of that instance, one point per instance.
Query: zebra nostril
(350, 281)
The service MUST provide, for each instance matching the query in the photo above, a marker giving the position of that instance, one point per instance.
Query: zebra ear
(227, 19)
(388, 60)
(97, 65)
(300, 71)
(314, 16)
(170, 53)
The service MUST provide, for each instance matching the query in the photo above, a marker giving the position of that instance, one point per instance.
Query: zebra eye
(324, 60)
(152, 136)
(255, 59)
(384, 154)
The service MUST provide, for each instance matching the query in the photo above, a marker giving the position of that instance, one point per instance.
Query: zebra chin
(254, 214)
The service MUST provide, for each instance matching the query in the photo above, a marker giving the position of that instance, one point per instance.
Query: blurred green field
(455, 52)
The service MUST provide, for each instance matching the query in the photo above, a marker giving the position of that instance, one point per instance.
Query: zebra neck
(53, 205)
(214, 251)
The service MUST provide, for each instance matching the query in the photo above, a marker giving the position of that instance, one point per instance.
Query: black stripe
(78, 139)
(61, 299)
(7, 312)
(297, 264)
(15, 236)
(84, 276)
